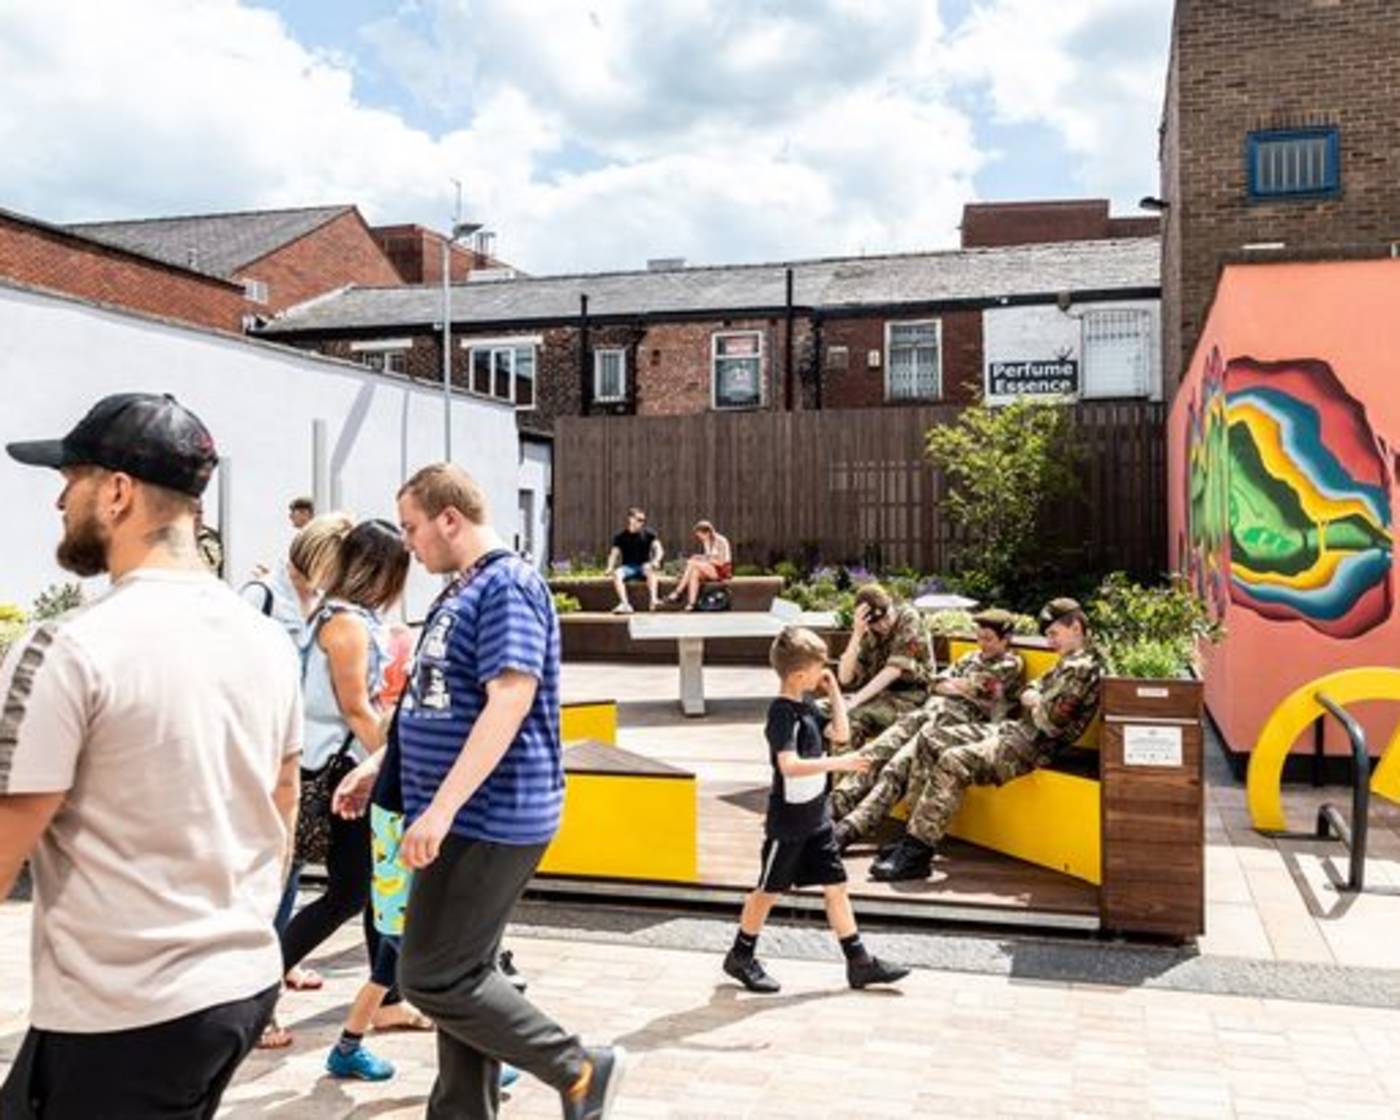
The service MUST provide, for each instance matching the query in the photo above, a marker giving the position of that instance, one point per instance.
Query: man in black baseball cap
(148, 773)
(126, 442)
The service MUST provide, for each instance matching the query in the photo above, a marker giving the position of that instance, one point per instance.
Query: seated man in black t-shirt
(636, 553)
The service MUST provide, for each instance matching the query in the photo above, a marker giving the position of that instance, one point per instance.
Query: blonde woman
(714, 561)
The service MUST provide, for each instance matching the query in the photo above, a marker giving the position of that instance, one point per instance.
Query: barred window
(1117, 352)
(737, 369)
(913, 370)
(1293, 162)
(610, 375)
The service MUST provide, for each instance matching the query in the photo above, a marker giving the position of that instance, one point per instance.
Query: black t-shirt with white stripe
(797, 807)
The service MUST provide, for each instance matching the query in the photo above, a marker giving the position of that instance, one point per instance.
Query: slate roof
(218, 244)
(842, 282)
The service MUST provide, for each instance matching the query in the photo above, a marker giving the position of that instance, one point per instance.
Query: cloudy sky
(589, 134)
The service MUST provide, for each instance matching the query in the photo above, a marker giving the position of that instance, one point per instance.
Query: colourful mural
(1288, 496)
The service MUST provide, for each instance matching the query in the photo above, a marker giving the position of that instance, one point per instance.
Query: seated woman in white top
(714, 561)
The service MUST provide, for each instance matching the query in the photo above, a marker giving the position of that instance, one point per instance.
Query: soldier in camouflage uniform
(981, 687)
(888, 661)
(1055, 711)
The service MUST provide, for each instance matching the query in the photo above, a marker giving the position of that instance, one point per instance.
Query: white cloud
(1094, 70)
(587, 136)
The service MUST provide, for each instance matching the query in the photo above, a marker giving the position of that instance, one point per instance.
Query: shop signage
(1029, 378)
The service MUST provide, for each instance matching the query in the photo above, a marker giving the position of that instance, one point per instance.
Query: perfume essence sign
(1031, 378)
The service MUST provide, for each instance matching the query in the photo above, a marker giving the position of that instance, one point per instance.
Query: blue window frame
(1293, 163)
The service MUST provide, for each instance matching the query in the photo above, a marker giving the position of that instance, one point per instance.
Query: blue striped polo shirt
(500, 617)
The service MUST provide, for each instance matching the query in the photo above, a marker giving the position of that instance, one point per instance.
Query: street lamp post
(459, 229)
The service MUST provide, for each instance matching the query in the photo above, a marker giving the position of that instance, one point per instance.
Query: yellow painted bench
(588, 719)
(1049, 817)
(625, 817)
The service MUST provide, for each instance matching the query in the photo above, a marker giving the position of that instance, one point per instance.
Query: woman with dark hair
(344, 654)
(714, 561)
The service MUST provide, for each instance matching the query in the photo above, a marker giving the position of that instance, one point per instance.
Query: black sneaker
(506, 963)
(872, 970)
(750, 973)
(593, 1099)
(909, 860)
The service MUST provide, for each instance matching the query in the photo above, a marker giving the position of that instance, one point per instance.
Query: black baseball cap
(149, 436)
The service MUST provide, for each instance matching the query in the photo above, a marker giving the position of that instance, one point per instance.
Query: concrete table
(689, 631)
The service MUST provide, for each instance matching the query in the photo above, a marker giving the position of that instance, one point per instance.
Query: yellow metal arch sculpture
(1294, 714)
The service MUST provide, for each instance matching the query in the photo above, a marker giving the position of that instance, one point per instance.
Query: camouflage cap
(1003, 622)
(1057, 609)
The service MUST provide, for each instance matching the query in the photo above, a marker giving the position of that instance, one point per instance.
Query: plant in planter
(564, 603)
(12, 624)
(1150, 632)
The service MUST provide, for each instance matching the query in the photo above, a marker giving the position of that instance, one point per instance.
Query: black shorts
(812, 861)
(177, 1069)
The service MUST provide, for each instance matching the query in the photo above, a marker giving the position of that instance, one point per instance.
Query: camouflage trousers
(871, 718)
(899, 760)
(963, 756)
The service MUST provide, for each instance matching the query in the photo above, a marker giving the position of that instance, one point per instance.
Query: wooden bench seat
(626, 816)
(595, 593)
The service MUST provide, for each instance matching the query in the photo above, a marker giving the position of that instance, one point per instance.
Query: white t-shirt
(164, 709)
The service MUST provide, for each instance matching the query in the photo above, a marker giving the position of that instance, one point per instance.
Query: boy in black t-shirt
(799, 848)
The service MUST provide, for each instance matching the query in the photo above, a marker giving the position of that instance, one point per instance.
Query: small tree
(1005, 467)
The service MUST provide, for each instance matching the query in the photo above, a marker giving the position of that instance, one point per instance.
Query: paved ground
(1289, 1007)
(946, 1044)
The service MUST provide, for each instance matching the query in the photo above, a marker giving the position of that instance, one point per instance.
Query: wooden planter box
(1151, 765)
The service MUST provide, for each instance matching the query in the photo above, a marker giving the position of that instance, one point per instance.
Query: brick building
(279, 257)
(1278, 129)
(416, 254)
(41, 255)
(1075, 315)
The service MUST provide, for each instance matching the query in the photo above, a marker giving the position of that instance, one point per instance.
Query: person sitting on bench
(888, 661)
(636, 553)
(1055, 711)
(713, 563)
(981, 687)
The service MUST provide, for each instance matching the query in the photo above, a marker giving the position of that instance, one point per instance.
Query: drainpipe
(584, 388)
(817, 373)
(787, 343)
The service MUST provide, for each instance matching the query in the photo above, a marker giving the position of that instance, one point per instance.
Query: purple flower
(561, 566)
(859, 576)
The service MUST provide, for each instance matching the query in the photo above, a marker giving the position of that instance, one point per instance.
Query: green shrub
(789, 570)
(1006, 468)
(944, 624)
(749, 570)
(1138, 628)
(564, 603)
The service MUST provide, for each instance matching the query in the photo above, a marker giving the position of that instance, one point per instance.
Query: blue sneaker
(509, 1076)
(359, 1063)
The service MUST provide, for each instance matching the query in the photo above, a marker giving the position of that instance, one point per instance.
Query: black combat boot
(872, 970)
(911, 859)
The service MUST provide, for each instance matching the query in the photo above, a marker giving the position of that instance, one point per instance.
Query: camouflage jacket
(997, 683)
(1069, 699)
(906, 647)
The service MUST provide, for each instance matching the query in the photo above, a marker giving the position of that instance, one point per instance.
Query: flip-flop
(274, 1037)
(413, 1020)
(304, 980)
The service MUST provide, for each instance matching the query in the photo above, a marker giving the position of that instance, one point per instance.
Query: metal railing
(1329, 817)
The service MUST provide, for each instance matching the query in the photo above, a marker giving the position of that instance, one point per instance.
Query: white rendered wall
(260, 401)
(1042, 332)
(536, 475)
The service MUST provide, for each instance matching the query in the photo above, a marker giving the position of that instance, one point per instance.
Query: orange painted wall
(1346, 314)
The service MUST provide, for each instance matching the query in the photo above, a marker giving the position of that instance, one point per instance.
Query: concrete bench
(690, 631)
(595, 593)
(625, 817)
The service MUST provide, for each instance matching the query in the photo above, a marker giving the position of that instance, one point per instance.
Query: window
(737, 368)
(913, 370)
(1299, 162)
(255, 290)
(838, 357)
(505, 372)
(1117, 353)
(387, 355)
(609, 375)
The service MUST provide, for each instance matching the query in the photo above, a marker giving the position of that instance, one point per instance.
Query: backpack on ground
(713, 597)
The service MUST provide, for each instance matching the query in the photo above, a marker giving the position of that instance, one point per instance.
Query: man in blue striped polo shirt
(483, 786)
